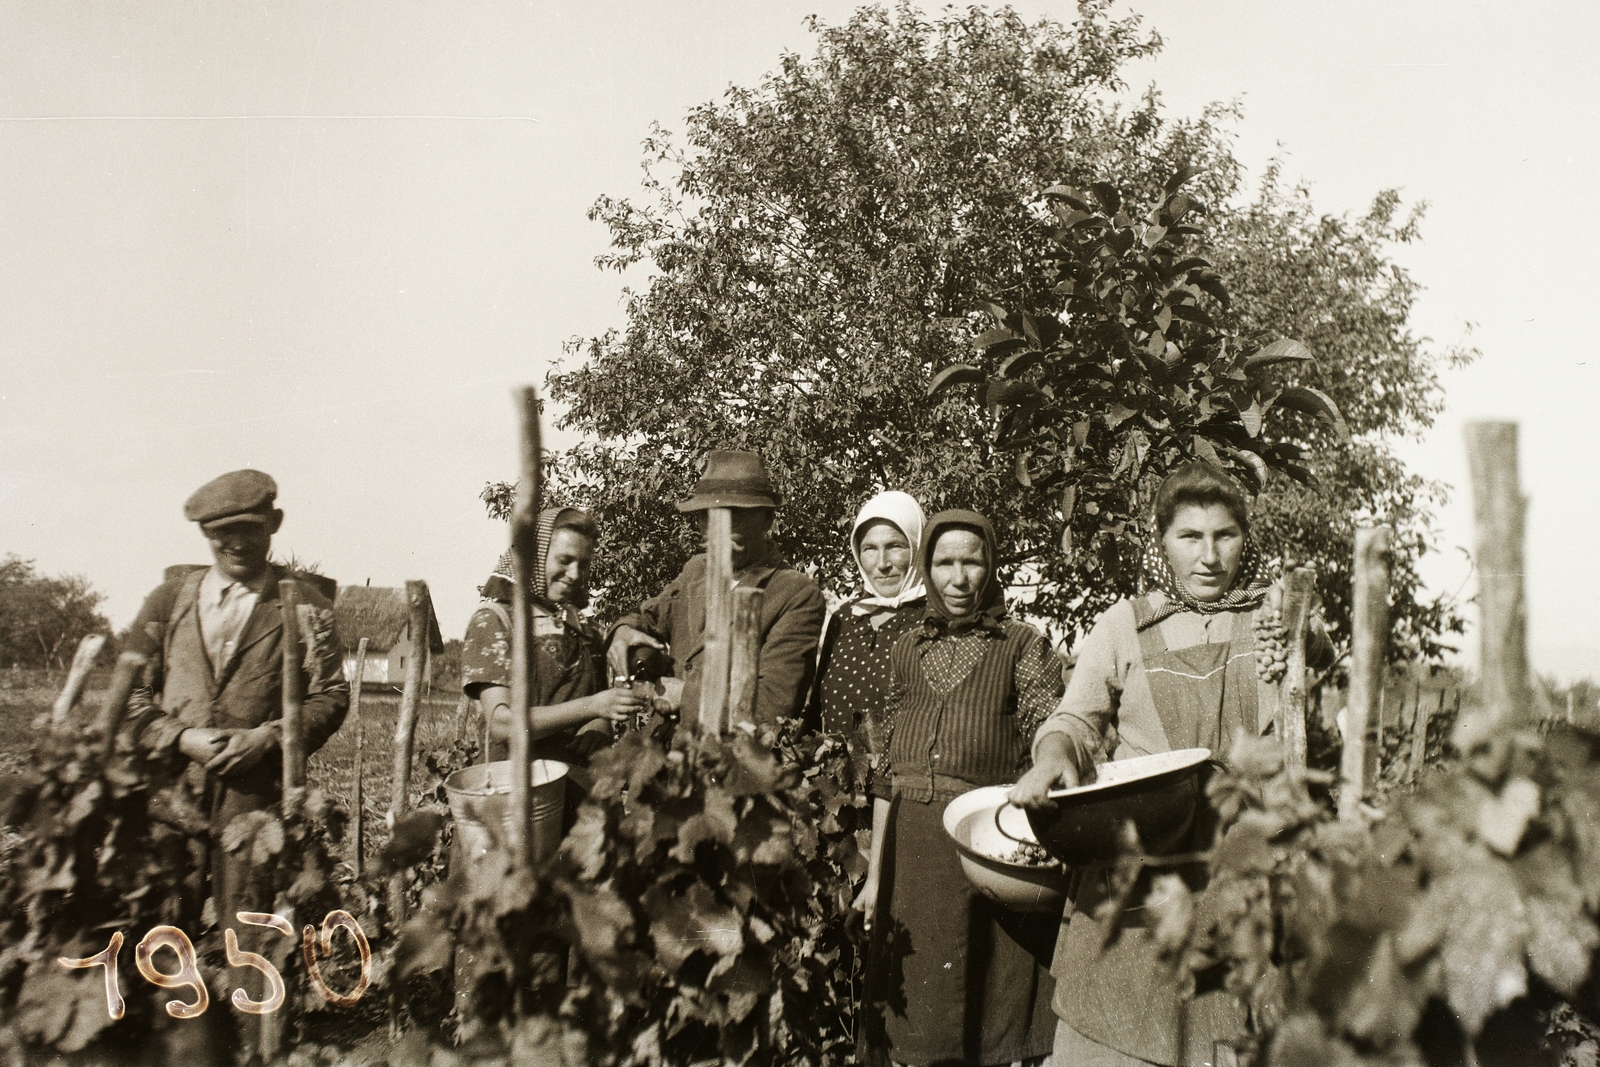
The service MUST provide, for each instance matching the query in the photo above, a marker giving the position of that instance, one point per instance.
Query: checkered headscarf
(1248, 590)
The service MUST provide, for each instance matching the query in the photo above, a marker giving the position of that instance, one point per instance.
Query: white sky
(346, 300)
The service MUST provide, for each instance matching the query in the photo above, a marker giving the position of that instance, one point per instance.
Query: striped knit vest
(944, 745)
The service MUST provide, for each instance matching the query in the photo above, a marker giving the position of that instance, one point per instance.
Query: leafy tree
(1111, 371)
(1332, 282)
(43, 619)
(822, 245)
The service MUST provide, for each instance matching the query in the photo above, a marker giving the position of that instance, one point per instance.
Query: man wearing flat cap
(791, 607)
(214, 694)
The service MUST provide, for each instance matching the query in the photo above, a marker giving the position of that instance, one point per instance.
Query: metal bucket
(480, 797)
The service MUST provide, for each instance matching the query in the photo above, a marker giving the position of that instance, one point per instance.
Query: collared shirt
(225, 606)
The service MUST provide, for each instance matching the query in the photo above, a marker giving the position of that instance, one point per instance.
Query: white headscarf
(902, 510)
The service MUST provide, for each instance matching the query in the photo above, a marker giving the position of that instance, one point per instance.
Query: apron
(1125, 996)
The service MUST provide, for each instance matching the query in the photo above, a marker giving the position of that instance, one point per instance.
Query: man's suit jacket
(184, 688)
(791, 622)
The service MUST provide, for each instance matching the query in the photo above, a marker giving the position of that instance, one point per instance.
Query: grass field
(332, 769)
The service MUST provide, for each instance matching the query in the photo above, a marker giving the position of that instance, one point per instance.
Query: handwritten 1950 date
(188, 973)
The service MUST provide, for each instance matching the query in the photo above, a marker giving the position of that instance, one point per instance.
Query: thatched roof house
(380, 615)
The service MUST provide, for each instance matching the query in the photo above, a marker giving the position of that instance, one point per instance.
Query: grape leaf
(586, 841)
(48, 1000)
(83, 805)
(1503, 819)
(1561, 942)
(602, 920)
(1385, 1007)
(242, 829)
(269, 842)
(424, 947)
(1173, 907)
(691, 922)
(1482, 950)
(715, 822)
(753, 770)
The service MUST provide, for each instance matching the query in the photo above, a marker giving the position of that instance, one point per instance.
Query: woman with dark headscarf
(1175, 668)
(962, 979)
(571, 708)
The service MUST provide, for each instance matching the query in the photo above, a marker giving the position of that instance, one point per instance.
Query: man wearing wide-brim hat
(214, 700)
(791, 607)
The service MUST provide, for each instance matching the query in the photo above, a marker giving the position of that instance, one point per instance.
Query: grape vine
(1474, 899)
(100, 849)
(705, 892)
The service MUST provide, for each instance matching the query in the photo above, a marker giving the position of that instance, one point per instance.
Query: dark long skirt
(955, 978)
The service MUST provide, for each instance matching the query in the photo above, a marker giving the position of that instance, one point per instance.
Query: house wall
(376, 670)
(386, 667)
(400, 655)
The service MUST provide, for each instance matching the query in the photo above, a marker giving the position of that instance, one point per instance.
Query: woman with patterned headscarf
(571, 708)
(1175, 668)
(853, 666)
(962, 980)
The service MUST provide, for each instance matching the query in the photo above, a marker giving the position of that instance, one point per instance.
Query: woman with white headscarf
(853, 668)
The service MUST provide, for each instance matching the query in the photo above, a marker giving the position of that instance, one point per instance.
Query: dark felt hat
(732, 480)
(238, 496)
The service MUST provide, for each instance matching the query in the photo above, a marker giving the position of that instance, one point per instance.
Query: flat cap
(238, 496)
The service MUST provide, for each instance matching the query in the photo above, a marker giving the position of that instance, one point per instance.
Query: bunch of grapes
(1272, 645)
(1029, 854)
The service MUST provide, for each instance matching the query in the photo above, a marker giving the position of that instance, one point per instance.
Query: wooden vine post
(1497, 511)
(357, 843)
(292, 746)
(524, 557)
(1299, 584)
(130, 666)
(744, 664)
(293, 733)
(88, 649)
(1369, 649)
(405, 732)
(1426, 704)
(719, 620)
(405, 727)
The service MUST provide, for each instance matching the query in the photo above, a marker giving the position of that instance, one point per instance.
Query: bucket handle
(1007, 834)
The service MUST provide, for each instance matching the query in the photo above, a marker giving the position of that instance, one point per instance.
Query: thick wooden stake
(405, 732)
(524, 558)
(83, 661)
(405, 727)
(1369, 648)
(744, 666)
(1298, 587)
(126, 676)
(1419, 732)
(357, 803)
(719, 620)
(1497, 508)
(294, 749)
